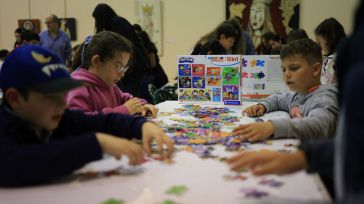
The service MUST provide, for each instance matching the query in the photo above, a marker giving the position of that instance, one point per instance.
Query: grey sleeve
(277, 102)
(319, 123)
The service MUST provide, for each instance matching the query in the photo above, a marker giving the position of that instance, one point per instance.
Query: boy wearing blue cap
(40, 140)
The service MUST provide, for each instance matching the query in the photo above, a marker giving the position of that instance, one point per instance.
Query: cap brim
(59, 85)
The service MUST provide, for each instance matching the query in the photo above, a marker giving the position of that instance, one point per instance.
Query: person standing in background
(55, 39)
(135, 80)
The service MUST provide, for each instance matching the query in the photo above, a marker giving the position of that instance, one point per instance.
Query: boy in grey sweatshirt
(313, 107)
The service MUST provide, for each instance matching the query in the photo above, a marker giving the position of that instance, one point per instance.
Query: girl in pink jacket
(105, 58)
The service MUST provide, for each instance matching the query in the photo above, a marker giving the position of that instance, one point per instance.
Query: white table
(148, 184)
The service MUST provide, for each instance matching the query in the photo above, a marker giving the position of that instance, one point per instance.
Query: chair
(170, 89)
(161, 95)
(151, 89)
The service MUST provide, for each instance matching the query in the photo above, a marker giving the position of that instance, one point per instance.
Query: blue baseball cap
(36, 68)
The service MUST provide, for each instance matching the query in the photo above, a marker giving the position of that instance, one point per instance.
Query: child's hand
(153, 110)
(152, 132)
(255, 110)
(134, 106)
(269, 162)
(117, 147)
(254, 131)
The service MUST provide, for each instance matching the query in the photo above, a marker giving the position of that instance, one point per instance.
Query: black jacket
(27, 159)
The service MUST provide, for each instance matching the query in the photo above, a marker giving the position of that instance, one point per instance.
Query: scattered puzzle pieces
(165, 114)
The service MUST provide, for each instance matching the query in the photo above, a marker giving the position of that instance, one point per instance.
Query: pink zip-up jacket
(97, 96)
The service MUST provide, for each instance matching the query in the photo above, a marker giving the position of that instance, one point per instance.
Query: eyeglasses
(122, 69)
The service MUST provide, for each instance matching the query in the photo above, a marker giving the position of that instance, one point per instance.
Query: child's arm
(254, 131)
(150, 109)
(29, 164)
(320, 122)
(277, 102)
(320, 156)
(133, 106)
(136, 105)
(73, 145)
(269, 162)
(117, 147)
(37, 163)
(254, 110)
(117, 124)
(76, 122)
(314, 156)
(152, 132)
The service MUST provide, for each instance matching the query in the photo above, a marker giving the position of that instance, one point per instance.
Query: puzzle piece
(177, 190)
(267, 142)
(169, 202)
(271, 183)
(289, 145)
(113, 201)
(235, 177)
(259, 120)
(253, 193)
(232, 147)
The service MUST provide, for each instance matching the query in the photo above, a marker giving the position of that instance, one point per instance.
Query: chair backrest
(170, 89)
(152, 88)
(162, 95)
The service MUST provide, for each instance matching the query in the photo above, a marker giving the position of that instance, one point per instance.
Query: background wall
(183, 21)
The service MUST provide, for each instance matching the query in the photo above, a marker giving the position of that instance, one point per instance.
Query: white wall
(315, 11)
(183, 21)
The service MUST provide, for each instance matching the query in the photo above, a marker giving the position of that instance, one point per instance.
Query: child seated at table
(105, 58)
(40, 140)
(312, 107)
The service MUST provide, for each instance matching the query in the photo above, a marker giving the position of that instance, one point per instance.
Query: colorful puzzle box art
(209, 78)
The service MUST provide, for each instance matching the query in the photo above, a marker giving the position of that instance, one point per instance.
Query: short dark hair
(19, 30)
(332, 31)
(22, 91)
(29, 35)
(105, 44)
(269, 36)
(3, 53)
(214, 47)
(306, 48)
(226, 29)
(296, 35)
